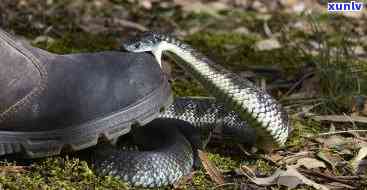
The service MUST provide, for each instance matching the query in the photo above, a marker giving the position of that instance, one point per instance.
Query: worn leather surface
(79, 87)
(18, 76)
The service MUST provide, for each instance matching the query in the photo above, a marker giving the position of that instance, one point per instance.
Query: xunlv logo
(350, 6)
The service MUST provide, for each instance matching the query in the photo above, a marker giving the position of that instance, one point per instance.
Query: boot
(49, 102)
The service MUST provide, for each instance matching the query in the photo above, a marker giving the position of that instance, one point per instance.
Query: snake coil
(251, 106)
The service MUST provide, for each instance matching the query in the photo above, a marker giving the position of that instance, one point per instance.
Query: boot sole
(73, 138)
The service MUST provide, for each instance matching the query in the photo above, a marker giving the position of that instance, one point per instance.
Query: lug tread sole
(110, 128)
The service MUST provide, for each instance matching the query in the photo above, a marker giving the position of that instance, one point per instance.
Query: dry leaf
(43, 39)
(14, 169)
(355, 162)
(208, 8)
(291, 171)
(334, 141)
(292, 159)
(267, 181)
(147, 4)
(337, 185)
(290, 178)
(268, 44)
(275, 157)
(242, 30)
(352, 14)
(289, 181)
(310, 163)
(330, 158)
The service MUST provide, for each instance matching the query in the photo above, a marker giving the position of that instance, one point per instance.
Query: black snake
(174, 158)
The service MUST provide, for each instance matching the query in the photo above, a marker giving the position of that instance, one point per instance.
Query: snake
(238, 107)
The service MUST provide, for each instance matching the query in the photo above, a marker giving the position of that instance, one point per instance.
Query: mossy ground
(235, 51)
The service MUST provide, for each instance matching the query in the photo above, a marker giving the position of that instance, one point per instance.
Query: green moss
(80, 42)
(237, 51)
(201, 181)
(226, 49)
(264, 167)
(300, 130)
(187, 88)
(60, 173)
(223, 163)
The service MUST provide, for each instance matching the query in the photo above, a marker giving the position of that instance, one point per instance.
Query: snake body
(166, 145)
(164, 157)
(251, 106)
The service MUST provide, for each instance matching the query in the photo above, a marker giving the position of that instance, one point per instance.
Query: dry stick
(306, 111)
(302, 99)
(350, 119)
(211, 168)
(340, 132)
(352, 177)
(332, 178)
(304, 77)
(339, 118)
(296, 155)
(267, 29)
(14, 169)
(354, 125)
(297, 102)
(344, 118)
(184, 180)
(273, 86)
(264, 157)
(248, 172)
(244, 150)
(357, 136)
(129, 24)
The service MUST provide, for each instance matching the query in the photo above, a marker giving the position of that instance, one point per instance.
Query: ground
(311, 61)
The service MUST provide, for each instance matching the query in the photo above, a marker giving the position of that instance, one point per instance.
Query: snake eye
(137, 45)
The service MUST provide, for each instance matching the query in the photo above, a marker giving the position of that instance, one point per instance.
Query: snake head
(144, 42)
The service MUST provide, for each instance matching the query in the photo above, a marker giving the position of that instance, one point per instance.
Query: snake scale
(250, 105)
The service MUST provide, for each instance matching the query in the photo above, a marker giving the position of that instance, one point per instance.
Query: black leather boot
(50, 101)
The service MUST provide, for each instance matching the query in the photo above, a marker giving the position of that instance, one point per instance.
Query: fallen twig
(340, 118)
(212, 170)
(295, 156)
(129, 24)
(260, 156)
(14, 169)
(289, 177)
(353, 177)
(303, 78)
(340, 132)
(328, 177)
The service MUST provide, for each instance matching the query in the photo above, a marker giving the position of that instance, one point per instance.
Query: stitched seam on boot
(35, 91)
